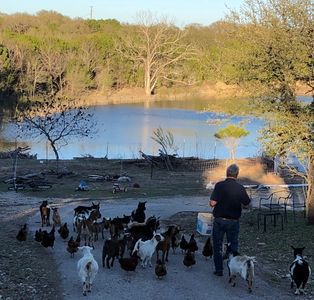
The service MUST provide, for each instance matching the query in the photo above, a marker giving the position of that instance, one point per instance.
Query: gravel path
(180, 283)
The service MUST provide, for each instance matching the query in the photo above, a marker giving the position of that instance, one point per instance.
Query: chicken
(192, 244)
(184, 244)
(48, 238)
(189, 259)
(39, 235)
(73, 245)
(208, 249)
(22, 234)
(129, 263)
(64, 231)
(160, 269)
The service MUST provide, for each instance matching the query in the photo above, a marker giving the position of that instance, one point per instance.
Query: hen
(208, 249)
(160, 269)
(129, 263)
(22, 234)
(192, 244)
(64, 231)
(73, 245)
(48, 238)
(189, 259)
(39, 235)
(184, 244)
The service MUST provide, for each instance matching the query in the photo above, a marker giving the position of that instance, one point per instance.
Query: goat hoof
(84, 294)
(233, 285)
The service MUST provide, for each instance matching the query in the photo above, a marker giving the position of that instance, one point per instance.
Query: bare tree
(58, 121)
(157, 46)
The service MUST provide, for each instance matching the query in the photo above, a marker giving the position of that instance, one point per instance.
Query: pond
(123, 130)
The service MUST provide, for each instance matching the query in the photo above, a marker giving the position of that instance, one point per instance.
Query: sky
(181, 12)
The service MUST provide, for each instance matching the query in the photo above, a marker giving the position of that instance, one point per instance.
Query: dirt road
(180, 283)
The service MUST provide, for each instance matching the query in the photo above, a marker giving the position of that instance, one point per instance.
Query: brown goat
(164, 245)
(45, 213)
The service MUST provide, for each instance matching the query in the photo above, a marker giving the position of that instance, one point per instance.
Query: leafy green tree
(231, 136)
(279, 35)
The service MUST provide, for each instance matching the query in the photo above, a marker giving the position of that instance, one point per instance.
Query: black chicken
(192, 244)
(160, 269)
(22, 234)
(129, 263)
(48, 238)
(73, 245)
(208, 249)
(189, 259)
(184, 244)
(39, 235)
(64, 231)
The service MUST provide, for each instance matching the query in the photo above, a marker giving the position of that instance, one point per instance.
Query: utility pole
(91, 12)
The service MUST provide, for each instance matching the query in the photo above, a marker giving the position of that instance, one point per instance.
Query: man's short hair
(233, 171)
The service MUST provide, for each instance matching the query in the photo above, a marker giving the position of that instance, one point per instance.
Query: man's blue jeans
(220, 228)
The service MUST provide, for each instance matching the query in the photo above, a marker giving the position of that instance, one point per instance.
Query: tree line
(266, 48)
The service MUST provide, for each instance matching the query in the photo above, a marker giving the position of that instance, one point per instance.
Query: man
(227, 199)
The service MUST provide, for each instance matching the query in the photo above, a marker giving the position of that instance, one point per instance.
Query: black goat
(86, 209)
(138, 215)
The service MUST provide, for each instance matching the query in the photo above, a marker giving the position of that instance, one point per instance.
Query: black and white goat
(242, 265)
(299, 270)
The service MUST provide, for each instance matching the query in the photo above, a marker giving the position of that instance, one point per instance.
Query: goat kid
(56, 216)
(87, 268)
(299, 270)
(242, 265)
(44, 213)
(146, 249)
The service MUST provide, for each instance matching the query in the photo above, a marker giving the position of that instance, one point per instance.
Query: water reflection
(123, 130)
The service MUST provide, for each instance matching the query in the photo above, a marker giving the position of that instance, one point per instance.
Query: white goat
(242, 265)
(87, 268)
(146, 249)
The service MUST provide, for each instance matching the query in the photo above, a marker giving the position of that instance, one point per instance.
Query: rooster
(22, 234)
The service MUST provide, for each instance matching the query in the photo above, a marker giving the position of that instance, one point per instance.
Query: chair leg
(264, 223)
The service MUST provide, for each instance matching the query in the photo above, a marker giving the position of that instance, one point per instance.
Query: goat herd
(140, 237)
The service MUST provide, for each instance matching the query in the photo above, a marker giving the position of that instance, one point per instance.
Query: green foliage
(231, 131)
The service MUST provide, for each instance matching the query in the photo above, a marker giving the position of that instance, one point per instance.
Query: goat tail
(250, 268)
(89, 266)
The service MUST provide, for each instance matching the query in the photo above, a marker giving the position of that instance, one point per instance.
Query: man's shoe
(218, 273)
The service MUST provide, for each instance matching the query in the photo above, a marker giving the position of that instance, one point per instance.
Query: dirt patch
(27, 270)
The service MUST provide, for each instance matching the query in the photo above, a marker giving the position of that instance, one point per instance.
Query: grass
(273, 248)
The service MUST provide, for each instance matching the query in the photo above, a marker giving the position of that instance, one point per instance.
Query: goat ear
(292, 247)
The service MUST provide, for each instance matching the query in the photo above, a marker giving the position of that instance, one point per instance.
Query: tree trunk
(310, 192)
(147, 81)
(56, 154)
